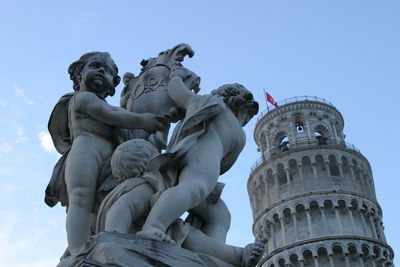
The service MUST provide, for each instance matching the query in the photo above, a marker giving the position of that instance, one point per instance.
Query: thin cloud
(21, 137)
(46, 142)
(20, 93)
(5, 147)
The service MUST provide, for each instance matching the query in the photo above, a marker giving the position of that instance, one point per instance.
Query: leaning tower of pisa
(312, 194)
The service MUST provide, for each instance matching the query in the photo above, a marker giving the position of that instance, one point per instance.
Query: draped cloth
(185, 135)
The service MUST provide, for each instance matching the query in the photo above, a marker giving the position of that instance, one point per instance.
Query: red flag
(271, 100)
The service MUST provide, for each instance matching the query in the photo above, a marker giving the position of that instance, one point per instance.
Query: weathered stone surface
(113, 249)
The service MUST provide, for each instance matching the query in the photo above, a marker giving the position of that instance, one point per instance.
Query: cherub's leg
(197, 179)
(81, 185)
(216, 219)
(132, 206)
(200, 243)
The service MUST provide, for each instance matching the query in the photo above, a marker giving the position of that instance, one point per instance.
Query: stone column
(256, 199)
(338, 219)
(290, 185)
(303, 184)
(267, 192)
(361, 260)
(363, 222)
(361, 181)
(371, 221)
(316, 262)
(301, 262)
(328, 170)
(322, 210)
(353, 226)
(341, 169)
(366, 184)
(383, 237)
(291, 133)
(334, 130)
(315, 176)
(283, 232)
(310, 137)
(373, 261)
(309, 223)
(353, 177)
(273, 235)
(296, 231)
(269, 148)
(346, 259)
(331, 263)
(278, 196)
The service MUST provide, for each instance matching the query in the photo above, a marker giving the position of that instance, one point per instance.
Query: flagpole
(265, 98)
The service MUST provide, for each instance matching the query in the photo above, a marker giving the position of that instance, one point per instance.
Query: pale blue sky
(344, 51)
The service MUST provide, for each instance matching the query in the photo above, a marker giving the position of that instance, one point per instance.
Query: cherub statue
(126, 207)
(83, 128)
(148, 92)
(204, 145)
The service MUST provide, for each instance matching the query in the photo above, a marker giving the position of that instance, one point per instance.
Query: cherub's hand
(153, 123)
(175, 114)
(181, 72)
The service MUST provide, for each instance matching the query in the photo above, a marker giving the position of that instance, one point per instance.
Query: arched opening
(338, 257)
(284, 144)
(333, 166)
(322, 172)
(294, 260)
(308, 257)
(282, 181)
(377, 252)
(323, 256)
(353, 255)
(281, 262)
(282, 141)
(302, 225)
(321, 134)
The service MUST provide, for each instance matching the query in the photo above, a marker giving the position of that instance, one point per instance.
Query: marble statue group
(119, 174)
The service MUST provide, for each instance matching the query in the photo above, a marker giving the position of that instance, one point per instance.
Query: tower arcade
(312, 194)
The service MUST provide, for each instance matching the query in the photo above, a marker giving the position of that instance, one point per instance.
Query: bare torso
(84, 125)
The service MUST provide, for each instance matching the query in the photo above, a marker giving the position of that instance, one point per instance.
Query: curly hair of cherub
(74, 70)
(236, 96)
(131, 158)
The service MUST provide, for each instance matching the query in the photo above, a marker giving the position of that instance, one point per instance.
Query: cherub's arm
(90, 104)
(179, 93)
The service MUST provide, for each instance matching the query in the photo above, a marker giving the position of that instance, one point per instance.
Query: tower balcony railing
(320, 143)
(292, 100)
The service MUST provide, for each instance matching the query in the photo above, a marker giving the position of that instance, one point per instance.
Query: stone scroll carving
(153, 183)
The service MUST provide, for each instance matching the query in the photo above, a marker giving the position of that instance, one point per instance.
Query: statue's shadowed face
(97, 75)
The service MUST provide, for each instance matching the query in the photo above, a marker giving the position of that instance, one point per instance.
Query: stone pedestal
(113, 249)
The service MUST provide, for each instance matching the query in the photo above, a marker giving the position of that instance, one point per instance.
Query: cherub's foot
(252, 253)
(155, 234)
